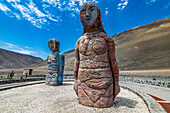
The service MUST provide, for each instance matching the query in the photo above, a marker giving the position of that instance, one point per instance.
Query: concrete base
(46, 99)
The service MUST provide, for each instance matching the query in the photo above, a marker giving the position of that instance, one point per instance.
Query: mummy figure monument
(96, 71)
(56, 63)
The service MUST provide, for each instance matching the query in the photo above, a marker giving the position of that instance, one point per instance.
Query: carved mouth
(88, 18)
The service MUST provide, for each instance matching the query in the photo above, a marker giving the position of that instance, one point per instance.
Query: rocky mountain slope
(9, 59)
(144, 47)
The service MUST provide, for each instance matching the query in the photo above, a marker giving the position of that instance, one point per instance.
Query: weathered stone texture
(96, 71)
(55, 62)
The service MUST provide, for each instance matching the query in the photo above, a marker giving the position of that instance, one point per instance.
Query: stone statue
(96, 71)
(55, 64)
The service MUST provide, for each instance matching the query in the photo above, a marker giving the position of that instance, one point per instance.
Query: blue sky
(27, 25)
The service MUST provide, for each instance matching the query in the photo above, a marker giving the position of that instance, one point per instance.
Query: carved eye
(83, 13)
(91, 9)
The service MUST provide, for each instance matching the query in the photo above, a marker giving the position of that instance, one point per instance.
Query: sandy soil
(62, 99)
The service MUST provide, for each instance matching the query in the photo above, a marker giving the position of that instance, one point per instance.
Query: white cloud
(119, 4)
(95, 1)
(150, 1)
(30, 12)
(125, 3)
(34, 9)
(53, 19)
(15, 48)
(73, 6)
(42, 18)
(23, 51)
(28, 47)
(13, 0)
(17, 16)
(81, 2)
(9, 45)
(123, 7)
(4, 8)
(106, 11)
(122, 4)
(8, 11)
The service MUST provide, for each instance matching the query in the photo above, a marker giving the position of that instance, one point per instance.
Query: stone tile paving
(165, 104)
(161, 92)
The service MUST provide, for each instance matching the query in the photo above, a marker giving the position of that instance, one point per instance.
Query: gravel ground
(41, 98)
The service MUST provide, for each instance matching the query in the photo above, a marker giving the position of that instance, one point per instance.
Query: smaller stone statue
(55, 64)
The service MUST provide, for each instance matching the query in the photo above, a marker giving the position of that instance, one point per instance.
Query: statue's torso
(53, 62)
(55, 71)
(94, 69)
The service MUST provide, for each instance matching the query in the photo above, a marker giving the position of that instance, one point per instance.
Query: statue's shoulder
(61, 54)
(101, 34)
(109, 39)
(78, 41)
(50, 54)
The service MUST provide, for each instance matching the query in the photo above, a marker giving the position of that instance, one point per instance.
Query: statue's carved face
(53, 45)
(88, 14)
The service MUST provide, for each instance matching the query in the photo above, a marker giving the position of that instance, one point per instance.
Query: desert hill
(9, 59)
(69, 62)
(145, 47)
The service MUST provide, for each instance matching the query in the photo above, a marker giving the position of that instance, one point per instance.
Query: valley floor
(165, 72)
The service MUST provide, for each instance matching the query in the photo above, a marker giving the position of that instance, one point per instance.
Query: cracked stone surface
(41, 98)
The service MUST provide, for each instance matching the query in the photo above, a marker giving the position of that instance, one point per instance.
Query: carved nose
(87, 14)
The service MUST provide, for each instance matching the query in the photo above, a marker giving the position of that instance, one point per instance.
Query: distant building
(28, 71)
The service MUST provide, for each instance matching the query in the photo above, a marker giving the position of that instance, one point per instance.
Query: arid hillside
(146, 47)
(9, 59)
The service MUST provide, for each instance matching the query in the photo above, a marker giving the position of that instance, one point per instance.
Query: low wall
(66, 76)
(21, 80)
(150, 82)
(71, 77)
(29, 75)
(39, 77)
(149, 76)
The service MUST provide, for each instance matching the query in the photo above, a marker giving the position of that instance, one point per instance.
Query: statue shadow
(123, 101)
(67, 84)
(64, 84)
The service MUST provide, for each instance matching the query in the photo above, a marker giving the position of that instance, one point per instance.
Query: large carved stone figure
(55, 64)
(96, 71)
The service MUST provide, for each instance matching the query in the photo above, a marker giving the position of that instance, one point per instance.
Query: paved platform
(41, 98)
(160, 94)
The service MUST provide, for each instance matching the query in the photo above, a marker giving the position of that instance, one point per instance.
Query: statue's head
(54, 45)
(90, 17)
